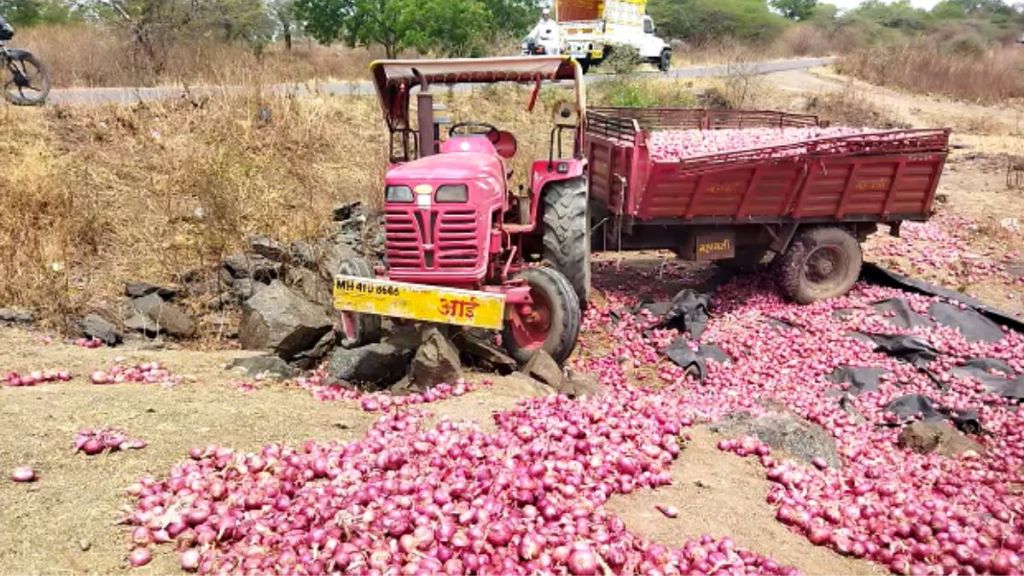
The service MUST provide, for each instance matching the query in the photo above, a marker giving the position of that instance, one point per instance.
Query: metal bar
(755, 179)
(893, 188)
(851, 181)
(698, 193)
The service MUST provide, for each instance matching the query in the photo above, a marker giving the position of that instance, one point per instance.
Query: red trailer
(812, 202)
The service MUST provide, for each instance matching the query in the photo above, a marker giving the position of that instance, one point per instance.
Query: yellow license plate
(419, 302)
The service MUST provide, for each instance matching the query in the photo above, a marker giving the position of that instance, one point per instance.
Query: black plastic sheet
(997, 376)
(970, 323)
(911, 406)
(902, 315)
(860, 378)
(695, 361)
(912, 349)
(688, 312)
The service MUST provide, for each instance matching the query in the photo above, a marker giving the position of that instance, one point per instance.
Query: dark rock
(309, 359)
(543, 367)
(936, 436)
(272, 366)
(312, 285)
(254, 266)
(436, 362)
(141, 323)
(9, 316)
(278, 318)
(143, 289)
(484, 353)
(267, 247)
(349, 211)
(170, 318)
(301, 254)
(377, 365)
(334, 256)
(96, 326)
(785, 432)
(974, 326)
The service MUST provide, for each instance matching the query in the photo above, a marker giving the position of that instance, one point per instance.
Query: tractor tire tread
(567, 234)
(791, 269)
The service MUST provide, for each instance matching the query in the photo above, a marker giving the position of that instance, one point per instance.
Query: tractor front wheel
(358, 329)
(550, 323)
(821, 263)
(567, 233)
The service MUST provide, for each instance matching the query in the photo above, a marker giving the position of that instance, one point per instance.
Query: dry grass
(90, 56)
(851, 107)
(990, 76)
(98, 196)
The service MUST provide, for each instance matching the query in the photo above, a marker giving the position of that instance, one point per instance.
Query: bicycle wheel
(28, 82)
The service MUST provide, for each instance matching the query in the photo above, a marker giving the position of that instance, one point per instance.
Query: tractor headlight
(452, 193)
(398, 194)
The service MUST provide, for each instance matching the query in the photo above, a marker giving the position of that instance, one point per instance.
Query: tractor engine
(440, 211)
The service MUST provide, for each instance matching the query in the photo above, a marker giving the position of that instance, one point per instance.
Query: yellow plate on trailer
(419, 302)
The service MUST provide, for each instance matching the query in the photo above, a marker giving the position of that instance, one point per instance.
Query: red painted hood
(453, 166)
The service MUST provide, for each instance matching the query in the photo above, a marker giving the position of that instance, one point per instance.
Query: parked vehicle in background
(590, 30)
(27, 83)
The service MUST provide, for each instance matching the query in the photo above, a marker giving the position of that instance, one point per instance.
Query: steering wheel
(474, 129)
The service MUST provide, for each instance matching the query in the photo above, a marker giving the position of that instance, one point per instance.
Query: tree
(32, 12)
(283, 13)
(703, 21)
(388, 23)
(448, 27)
(795, 9)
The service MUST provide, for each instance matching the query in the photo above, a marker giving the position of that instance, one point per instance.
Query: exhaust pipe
(425, 117)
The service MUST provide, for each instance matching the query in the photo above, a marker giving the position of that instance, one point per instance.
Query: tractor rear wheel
(665, 60)
(551, 323)
(567, 233)
(358, 329)
(821, 263)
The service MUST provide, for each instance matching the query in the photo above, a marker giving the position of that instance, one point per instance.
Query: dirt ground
(66, 521)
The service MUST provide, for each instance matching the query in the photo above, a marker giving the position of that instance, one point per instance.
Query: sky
(853, 3)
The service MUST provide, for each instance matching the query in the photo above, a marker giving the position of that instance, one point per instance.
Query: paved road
(130, 95)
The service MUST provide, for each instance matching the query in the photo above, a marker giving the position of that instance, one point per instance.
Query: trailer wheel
(551, 323)
(567, 233)
(358, 329)
(821, 263)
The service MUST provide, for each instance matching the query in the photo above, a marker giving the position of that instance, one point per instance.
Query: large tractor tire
(567, 233)
(358, 329)
(551, 323)
(820, 263)
(665, 60)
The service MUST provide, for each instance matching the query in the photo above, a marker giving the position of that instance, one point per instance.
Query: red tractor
(459, 240)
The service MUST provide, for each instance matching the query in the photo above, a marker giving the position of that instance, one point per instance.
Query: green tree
(703, 21)
(31, 12)
(453, 28)
(795, 9)
(512, 18)
(387, 23)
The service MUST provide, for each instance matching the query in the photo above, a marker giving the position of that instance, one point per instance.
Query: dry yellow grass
(98, 196)
(87, 55)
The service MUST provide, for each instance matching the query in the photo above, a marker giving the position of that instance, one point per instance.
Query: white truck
(589, 30)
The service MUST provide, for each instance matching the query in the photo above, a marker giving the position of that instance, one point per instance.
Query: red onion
(23, 474)
(139, 557)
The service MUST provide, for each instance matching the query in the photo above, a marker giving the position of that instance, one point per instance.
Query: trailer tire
(820, 263)
(358, 329)
(567, 233)
(556, 318)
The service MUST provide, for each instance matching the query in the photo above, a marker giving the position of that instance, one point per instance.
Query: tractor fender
(543, 173)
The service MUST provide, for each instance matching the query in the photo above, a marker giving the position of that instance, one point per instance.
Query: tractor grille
(437, 239)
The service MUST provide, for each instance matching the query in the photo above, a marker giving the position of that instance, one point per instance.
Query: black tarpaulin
(860, 378)
(695, 361)
(901, 314)
(970, 323)
(912, 349)
(689, 313)
(912, 406)
(874, 273)
(995, 375)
